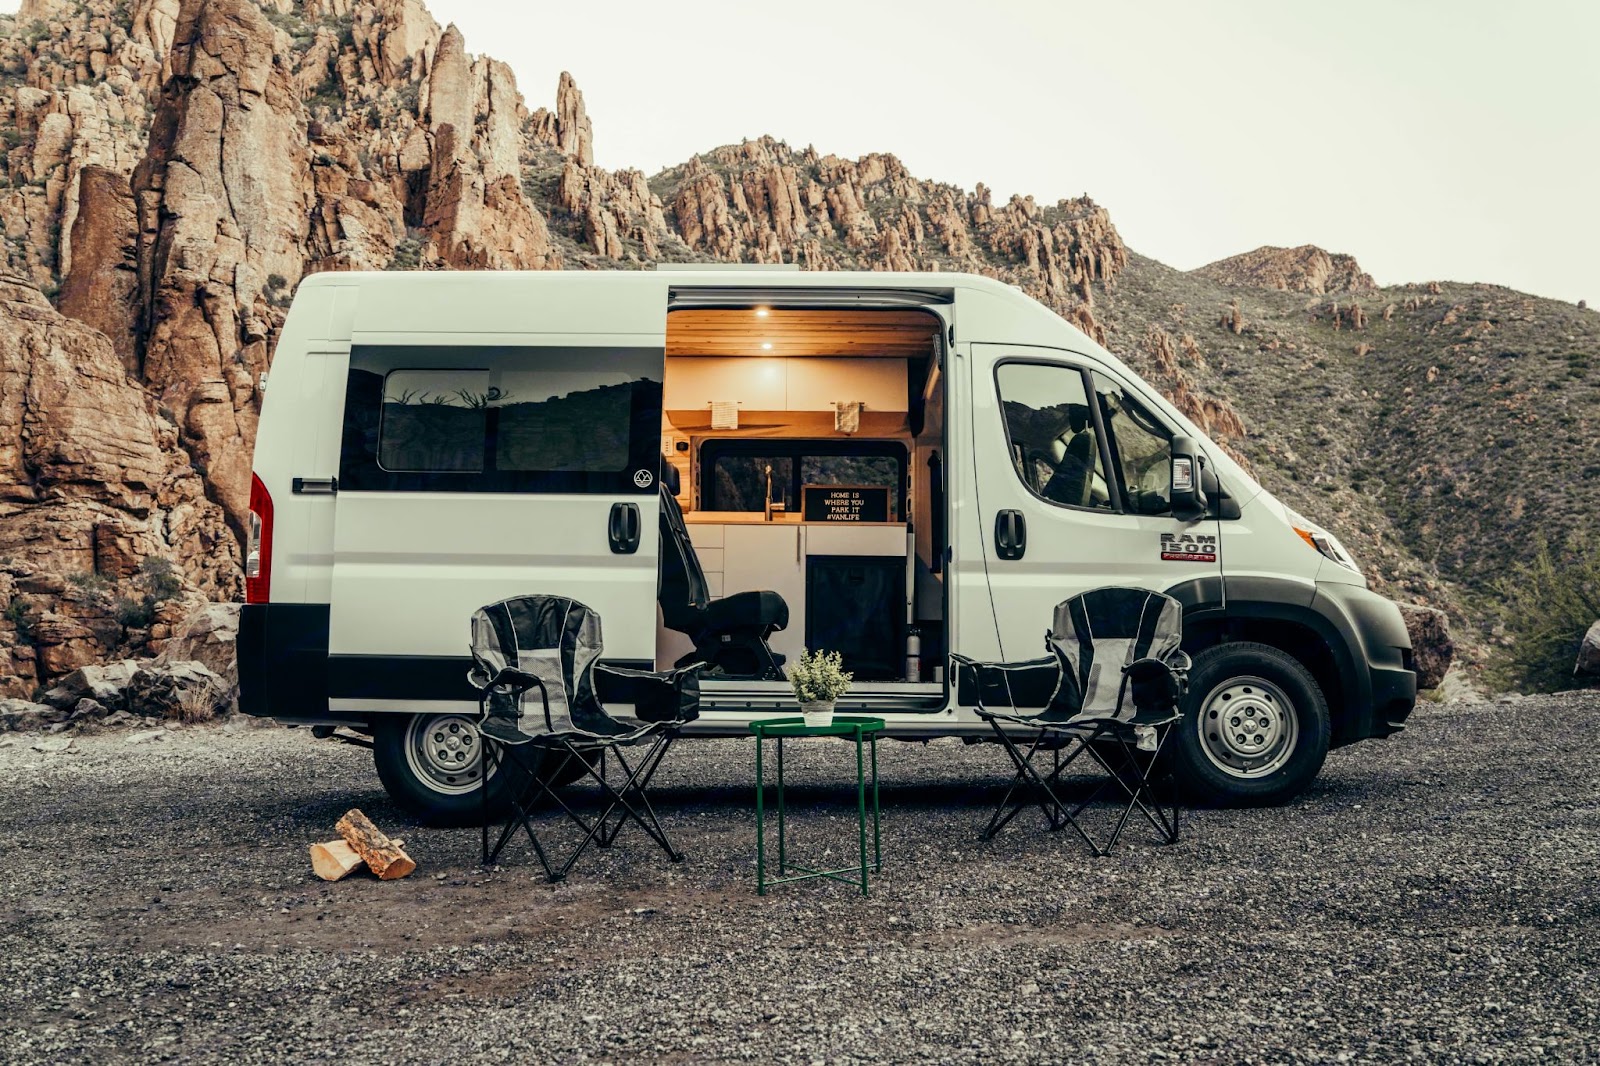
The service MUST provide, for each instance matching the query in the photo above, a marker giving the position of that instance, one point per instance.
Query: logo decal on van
(1188, 548)
(643, 478)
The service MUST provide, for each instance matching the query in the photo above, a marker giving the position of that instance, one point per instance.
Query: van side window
(465, 418)
(434, 420)
(1051, 432)
(1142, 447)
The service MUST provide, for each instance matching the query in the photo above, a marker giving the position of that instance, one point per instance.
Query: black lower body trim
(283, 660)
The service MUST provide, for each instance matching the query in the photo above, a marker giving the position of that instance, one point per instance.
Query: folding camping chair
(552, 644)
(1120, 675)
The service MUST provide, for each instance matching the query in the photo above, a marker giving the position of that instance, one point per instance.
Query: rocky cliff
(173, 168)
(1303, 269)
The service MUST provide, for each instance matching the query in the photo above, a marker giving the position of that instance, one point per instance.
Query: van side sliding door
(502, 436)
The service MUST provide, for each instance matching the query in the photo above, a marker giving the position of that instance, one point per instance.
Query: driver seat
(730, 634)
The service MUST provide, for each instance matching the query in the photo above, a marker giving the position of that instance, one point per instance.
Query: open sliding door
(517, 455)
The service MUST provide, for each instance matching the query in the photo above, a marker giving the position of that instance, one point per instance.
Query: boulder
(1589, 653)
(183, 691)
(23, 715)
(1431, 645)
(208, 636)
(107, 685)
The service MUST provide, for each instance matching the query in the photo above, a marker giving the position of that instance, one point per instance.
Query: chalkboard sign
(845, 503)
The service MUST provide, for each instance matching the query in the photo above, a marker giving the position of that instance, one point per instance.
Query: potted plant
(818, 679)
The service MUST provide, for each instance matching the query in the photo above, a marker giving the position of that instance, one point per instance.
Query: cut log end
(334, 860)
(382, 855)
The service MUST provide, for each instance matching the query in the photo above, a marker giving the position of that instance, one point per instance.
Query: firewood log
(334, 860)
(382, 855)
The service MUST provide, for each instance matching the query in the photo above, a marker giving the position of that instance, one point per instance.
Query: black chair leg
(624, 802)
(496, 759)
(1141, 789)
(1039, 791)
(631, 802)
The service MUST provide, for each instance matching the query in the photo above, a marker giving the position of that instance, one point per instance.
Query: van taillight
(258, 545)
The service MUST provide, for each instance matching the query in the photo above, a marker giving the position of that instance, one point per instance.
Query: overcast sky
(1432, 139)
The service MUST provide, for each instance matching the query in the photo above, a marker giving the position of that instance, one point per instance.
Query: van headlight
(1324, 543)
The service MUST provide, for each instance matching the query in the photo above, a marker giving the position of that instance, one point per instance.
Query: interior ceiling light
(766, 346)
(761, 312)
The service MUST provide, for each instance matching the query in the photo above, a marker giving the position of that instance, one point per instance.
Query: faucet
(767, 511)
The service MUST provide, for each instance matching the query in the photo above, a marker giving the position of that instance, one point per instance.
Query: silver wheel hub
(1248, 727)
(443, 751)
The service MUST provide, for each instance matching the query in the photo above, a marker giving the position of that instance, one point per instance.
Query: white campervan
(733, 464)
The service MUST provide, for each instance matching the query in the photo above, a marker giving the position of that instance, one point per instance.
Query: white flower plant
(819, 677)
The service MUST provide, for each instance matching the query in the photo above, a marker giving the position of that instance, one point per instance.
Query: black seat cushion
(742, 609)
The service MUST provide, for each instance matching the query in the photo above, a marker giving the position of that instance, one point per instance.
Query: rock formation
(1432, 649)
(215, 225)
(1306, 269)
(761, 201)
(1588, 663)
(93, 483)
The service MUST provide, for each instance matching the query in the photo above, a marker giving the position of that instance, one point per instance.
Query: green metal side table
(864, 731)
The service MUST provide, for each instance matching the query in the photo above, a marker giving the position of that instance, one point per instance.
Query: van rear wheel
(430, 765)
(1255, 729)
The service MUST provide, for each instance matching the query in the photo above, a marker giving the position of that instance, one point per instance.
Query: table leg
(861, 811)
(761, 838)
(877, 828)
(783, 855)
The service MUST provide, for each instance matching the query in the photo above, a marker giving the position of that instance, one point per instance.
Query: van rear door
(502, 436)
(1073, 485)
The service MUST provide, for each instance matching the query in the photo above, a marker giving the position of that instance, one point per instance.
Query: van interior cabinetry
(794, 433)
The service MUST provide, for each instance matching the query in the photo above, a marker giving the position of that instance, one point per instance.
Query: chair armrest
(664, 695)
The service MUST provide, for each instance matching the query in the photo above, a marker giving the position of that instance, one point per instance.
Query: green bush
(158, 578)
(133, 613)
(1550, 603)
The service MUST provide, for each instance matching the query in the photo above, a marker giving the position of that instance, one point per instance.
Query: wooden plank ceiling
(862, 334)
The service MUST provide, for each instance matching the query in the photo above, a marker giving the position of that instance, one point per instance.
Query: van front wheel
(430, 765)
(1255, 729)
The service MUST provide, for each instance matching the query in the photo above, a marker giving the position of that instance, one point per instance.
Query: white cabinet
(767, 557)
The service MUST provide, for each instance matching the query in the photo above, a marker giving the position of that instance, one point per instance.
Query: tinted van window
(1050, 431)
(502, 419)
(1142, 446)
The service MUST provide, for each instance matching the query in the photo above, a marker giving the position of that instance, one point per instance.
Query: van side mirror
(1188, 491)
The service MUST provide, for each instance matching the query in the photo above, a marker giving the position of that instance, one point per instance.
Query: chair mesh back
(1097, 634)
(556, 640)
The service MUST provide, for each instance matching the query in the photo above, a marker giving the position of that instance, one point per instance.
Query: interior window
(1051, 433)
(734, 474)
(1142, 446)
(739, 482)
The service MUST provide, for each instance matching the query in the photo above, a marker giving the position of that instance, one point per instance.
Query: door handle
(1010, 534)
(623, 528)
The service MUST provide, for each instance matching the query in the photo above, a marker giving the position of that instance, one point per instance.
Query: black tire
(1268, 760)
(432, 787)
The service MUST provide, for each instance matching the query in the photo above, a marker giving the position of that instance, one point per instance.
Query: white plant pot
(818, 713)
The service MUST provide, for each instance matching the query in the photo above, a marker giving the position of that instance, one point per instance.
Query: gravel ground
(1433, 897)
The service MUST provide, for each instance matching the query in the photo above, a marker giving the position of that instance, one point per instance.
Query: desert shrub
(133, 612)
(156, 581)
(1550, 602)
(89, 581)
(158, 578)
(407, 254)
(17, 615)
